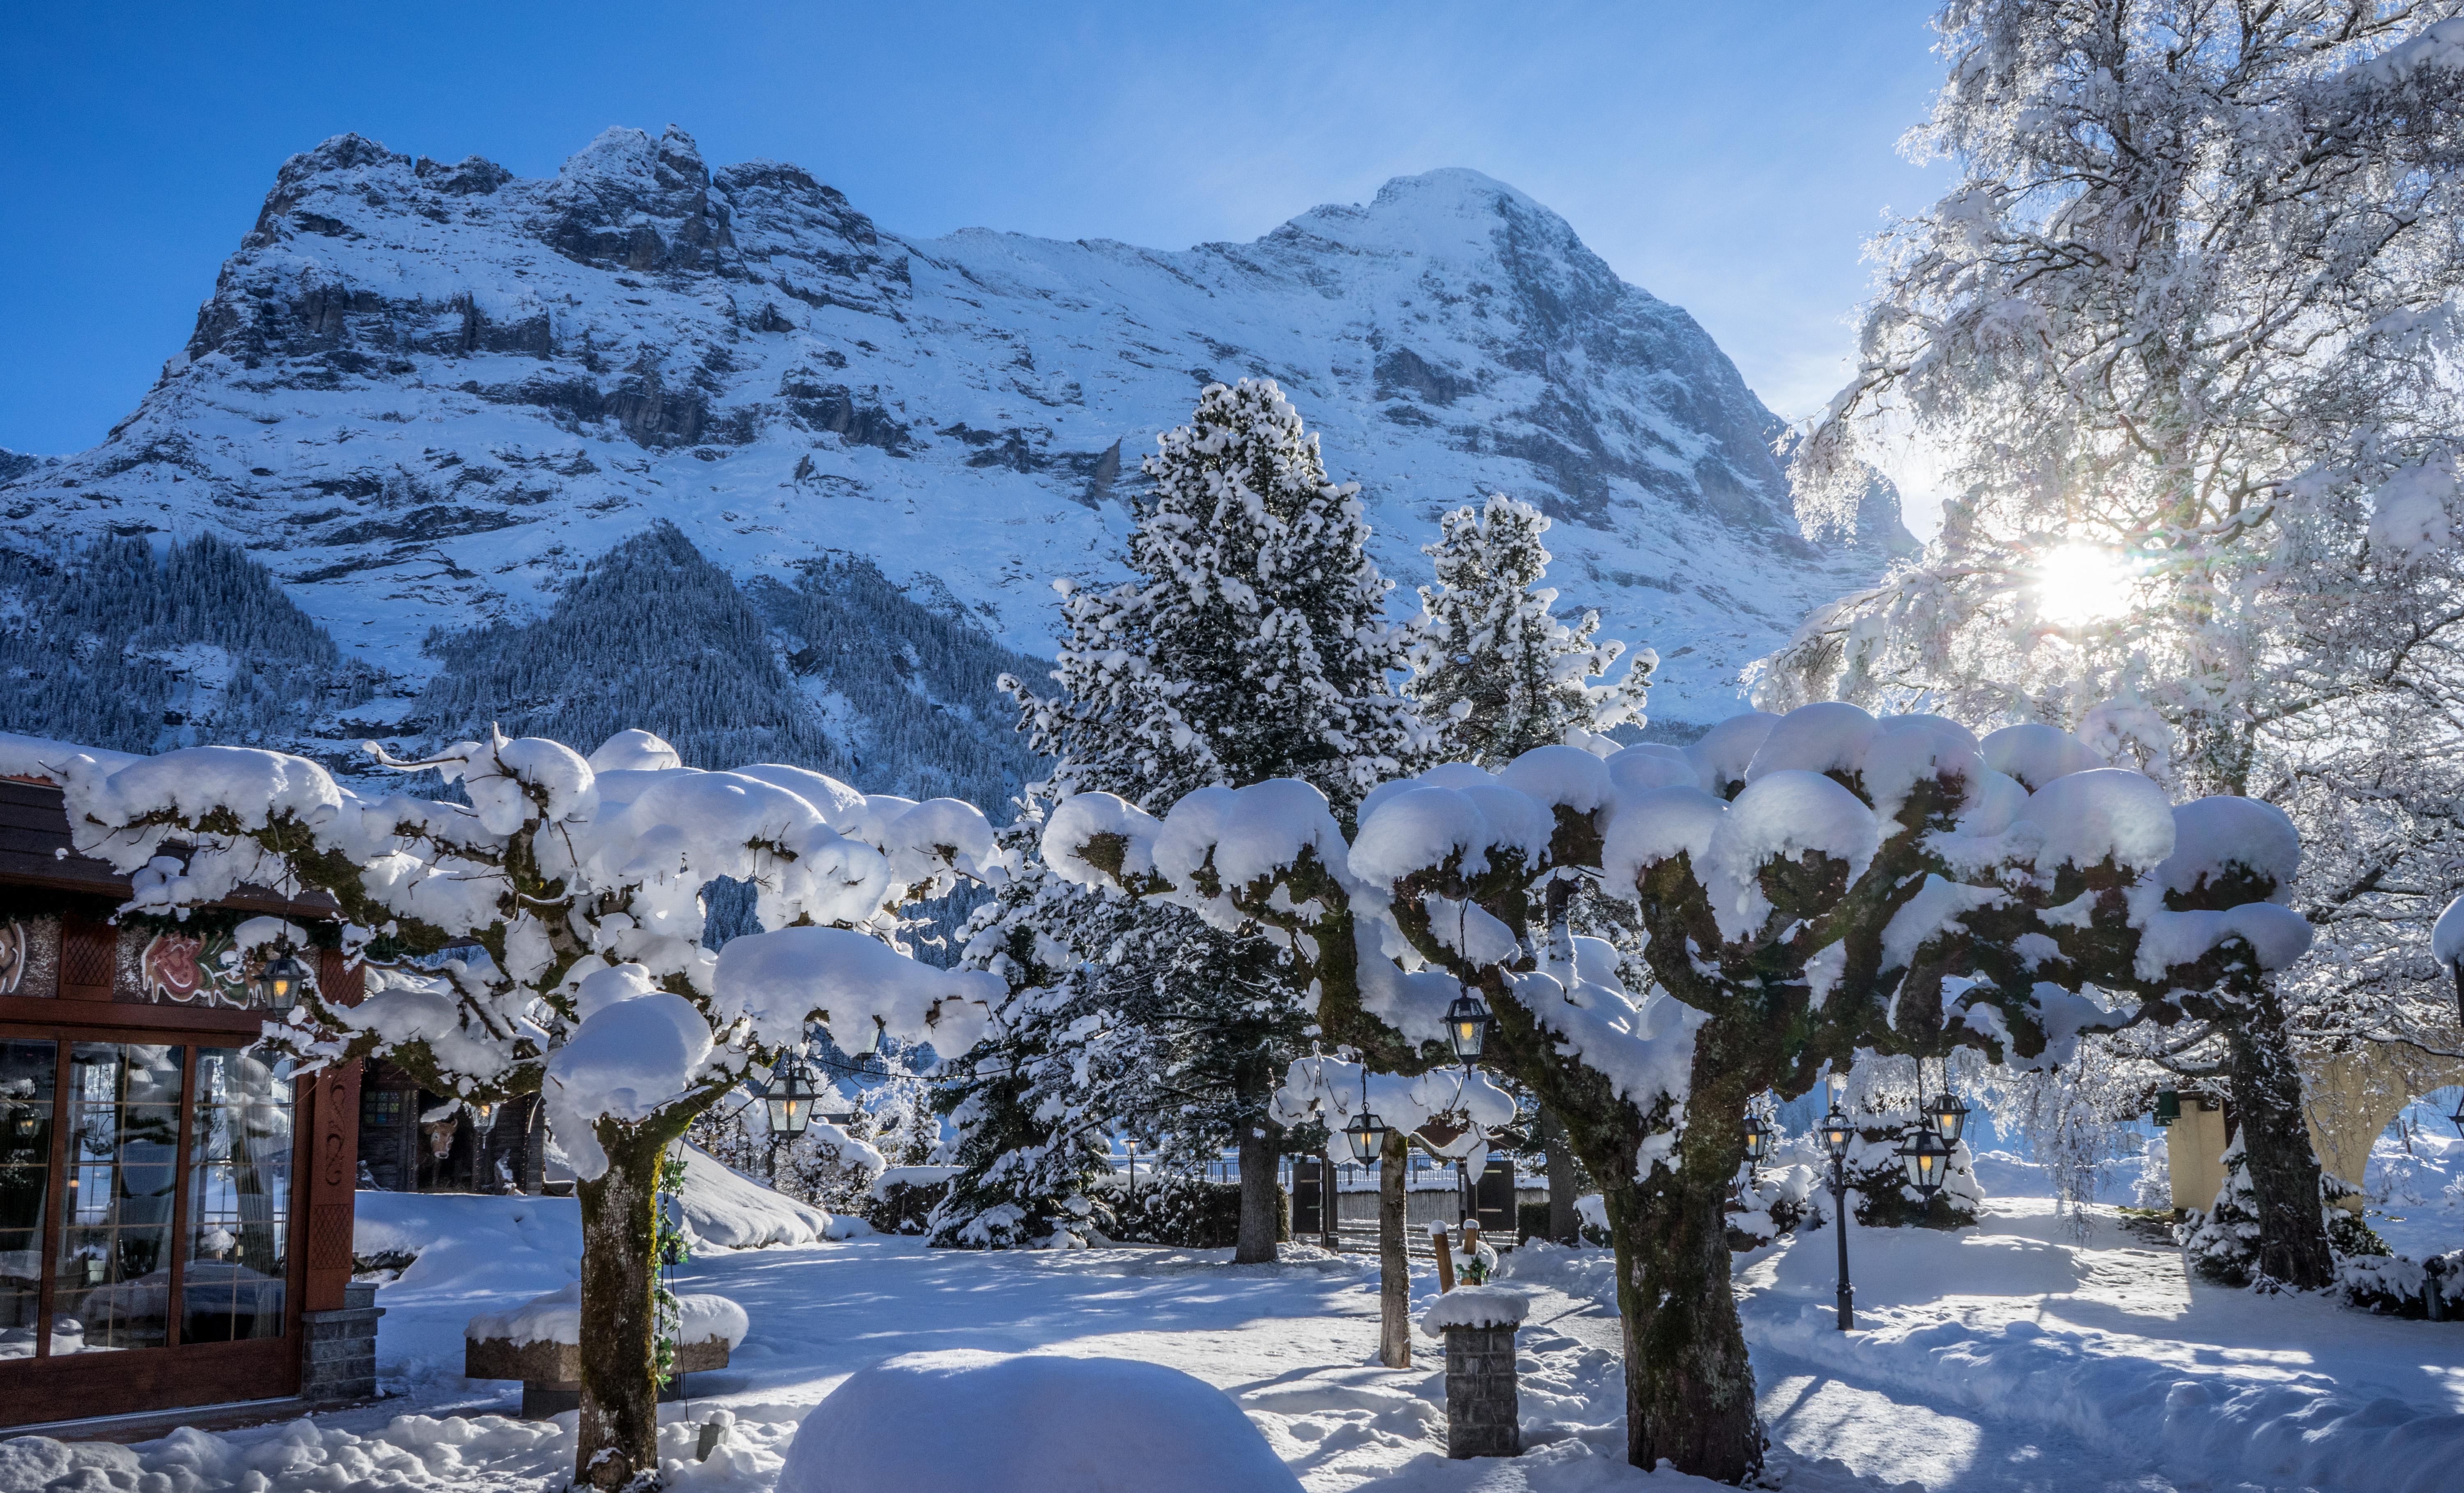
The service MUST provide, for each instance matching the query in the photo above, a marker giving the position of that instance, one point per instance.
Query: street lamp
(1947, 1115)
(1366, 1134)
(789, 1095)
(1468, 1023)
(1838, 1135)
(1758, 1139)
(1927, 1160)
(281, 976)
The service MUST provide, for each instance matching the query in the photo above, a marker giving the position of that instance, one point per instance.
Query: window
(239, 1198)
(28, 1076)
(114, 1283)
(380, 1108)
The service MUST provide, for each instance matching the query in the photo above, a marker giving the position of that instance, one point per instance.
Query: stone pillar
(1484, 1407)
(337, 1349)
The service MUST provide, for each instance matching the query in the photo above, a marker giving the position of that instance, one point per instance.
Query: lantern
(483, 1116)
(278, 979)
(1758, 1138)
(1838, 1135)
(1468, 1023)
(1949, 1118)
(1927, 1160)
(789, 1095)
(2168, 1107)
(1366, 1134)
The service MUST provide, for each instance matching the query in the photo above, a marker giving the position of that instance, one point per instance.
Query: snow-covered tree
(1250, 643)
(1813, 884)
(579, 882)
(2182, 331)
(1492, 665)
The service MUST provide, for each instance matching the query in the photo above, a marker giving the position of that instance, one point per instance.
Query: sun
(2081, 583)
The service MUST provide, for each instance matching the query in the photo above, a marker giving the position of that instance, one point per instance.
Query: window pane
(115, 1267)
(28, 1083)
(239, 1198)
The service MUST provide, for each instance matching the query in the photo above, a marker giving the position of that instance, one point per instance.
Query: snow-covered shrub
(902, 1200)
(2222, 1240)
(1775, 1200)
(1179, 1209)
(2154, 1187)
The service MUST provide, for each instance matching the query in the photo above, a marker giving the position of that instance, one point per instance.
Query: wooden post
(1445, 1257)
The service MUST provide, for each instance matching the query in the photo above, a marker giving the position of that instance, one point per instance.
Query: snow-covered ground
(2013, 1356)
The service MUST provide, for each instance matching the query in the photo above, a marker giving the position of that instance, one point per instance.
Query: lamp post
(1837, 1136)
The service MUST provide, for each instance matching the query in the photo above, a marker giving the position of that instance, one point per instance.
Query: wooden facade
(175, 1206)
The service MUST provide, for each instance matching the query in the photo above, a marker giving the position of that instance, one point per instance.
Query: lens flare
(2081, 583)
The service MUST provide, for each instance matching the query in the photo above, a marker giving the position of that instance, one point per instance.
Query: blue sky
(1730, 157)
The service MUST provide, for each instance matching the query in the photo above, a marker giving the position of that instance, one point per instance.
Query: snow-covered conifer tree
(1250, 643)
(1493, 668)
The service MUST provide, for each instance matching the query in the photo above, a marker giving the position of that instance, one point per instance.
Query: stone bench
(551, 1373)
(540, 1343)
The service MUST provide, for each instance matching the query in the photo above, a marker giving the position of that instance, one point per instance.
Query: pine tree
(1251, 644)
(1492, 667)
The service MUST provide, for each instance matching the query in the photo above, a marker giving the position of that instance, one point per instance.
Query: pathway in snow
(2004, 1359)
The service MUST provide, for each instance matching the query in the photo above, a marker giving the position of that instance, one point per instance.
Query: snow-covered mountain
(428, 395)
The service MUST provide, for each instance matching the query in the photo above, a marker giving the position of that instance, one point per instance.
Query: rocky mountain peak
(428, 395)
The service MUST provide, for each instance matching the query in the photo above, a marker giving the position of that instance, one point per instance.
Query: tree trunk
(1564, 1226)
(1689, 1390)
(620, 1327)
(1261, 1207)
(2276, 1145)
(1394, 1260)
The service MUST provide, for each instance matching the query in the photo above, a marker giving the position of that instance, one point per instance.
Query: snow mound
(967, 1421)
(556, 1318)
(724, 1210)
(1475, 1307)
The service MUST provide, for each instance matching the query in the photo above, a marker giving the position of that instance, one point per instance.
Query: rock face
(428, 395)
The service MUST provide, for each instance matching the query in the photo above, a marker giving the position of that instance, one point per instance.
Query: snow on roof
(45, 761)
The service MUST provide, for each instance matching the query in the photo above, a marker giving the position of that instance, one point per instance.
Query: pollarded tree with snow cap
(582, 880)
(1492, 665)
(1814, 884)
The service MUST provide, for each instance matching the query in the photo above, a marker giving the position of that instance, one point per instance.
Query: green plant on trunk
(1813, 884)
(669, 1247)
